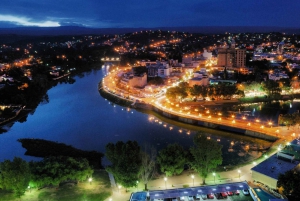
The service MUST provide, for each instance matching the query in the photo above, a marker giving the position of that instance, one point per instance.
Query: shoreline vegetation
(45, 148)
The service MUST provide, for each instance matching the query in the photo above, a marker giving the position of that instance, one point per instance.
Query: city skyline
(124, 14)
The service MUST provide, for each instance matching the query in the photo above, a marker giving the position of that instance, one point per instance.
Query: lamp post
(214, 174)
(165, 182)
(239, 171)
(119, 187)
(90, 180)
(193, 177)
(29, 189)
(137, 184)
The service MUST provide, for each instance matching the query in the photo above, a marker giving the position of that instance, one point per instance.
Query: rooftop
(274, 166)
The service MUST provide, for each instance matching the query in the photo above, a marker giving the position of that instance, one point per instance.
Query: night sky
(149, 13)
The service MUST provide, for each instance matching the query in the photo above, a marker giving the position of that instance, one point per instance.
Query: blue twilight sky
(149, 13)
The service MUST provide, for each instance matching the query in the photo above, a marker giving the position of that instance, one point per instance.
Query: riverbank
(190, 119)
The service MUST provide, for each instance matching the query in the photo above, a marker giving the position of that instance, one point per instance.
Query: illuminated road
(267, 128)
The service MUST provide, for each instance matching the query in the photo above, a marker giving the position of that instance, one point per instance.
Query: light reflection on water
(77, 115)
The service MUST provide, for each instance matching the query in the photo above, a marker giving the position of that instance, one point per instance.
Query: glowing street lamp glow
(214, 174)
(166, 182)
(193, 177)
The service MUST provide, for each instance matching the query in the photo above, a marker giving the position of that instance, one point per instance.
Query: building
(139, 81)
(132, 81)
(280, 48)
(203, 81)
(225, 57)
(278, 76)
(239, 58)
(267, 172)
(231, 57)
(160, 69)
(207, 55)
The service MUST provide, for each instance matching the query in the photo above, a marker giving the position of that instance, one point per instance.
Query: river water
(77, 115)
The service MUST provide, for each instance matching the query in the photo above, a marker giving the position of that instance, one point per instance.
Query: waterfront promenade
(258, 129)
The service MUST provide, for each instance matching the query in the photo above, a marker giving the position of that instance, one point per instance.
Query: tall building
(231, 57)
(226, 57)
(280, 48)
(240, 58)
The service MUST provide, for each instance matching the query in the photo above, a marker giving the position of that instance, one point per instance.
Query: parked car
(218, 195)
(210, 196)
(204, 197)
(246, 192)
(229, 193)
(224, 194)
(197, 197)
(237, 192)
(190, 198)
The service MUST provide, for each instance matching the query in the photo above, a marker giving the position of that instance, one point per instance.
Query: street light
(166, 182)
(29, 189)
(119, 187)
(214, 174)
(137, 184)
(193, 177)
(90, 180)
(239, 171)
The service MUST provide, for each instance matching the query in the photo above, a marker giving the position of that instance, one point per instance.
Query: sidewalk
(186, 179)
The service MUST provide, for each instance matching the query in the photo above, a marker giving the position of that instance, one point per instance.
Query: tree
(125, 162)
(179, 92)
(147, 165)
(54, 170)
(290, 182)
(172, 159)
(15, 175)
(207, 155)
(272, 87)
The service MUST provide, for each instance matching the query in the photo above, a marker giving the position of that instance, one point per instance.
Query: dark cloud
(154, 13)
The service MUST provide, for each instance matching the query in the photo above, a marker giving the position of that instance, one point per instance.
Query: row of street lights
(193, 177)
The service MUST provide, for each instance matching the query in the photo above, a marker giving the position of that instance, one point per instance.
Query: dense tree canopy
(179, 92)
(290, 182)
(172, 159)
(207, 155)
(15, 175)
(54, 170)
(125, 162)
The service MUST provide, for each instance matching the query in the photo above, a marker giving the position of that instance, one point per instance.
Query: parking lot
(233, 192)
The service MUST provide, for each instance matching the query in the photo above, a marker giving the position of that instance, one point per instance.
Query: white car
(246, 192)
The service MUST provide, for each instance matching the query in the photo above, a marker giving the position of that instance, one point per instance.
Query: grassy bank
(98, 190)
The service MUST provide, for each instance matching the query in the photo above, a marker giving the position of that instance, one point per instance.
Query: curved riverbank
(185, 119)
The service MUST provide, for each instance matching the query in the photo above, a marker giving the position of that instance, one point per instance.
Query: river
(77, 115)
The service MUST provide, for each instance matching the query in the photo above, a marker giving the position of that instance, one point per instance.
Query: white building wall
(271, 182)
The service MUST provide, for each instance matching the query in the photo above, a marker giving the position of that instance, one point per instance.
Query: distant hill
(74, 30)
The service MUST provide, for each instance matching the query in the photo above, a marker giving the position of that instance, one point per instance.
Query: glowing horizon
(24, 21)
